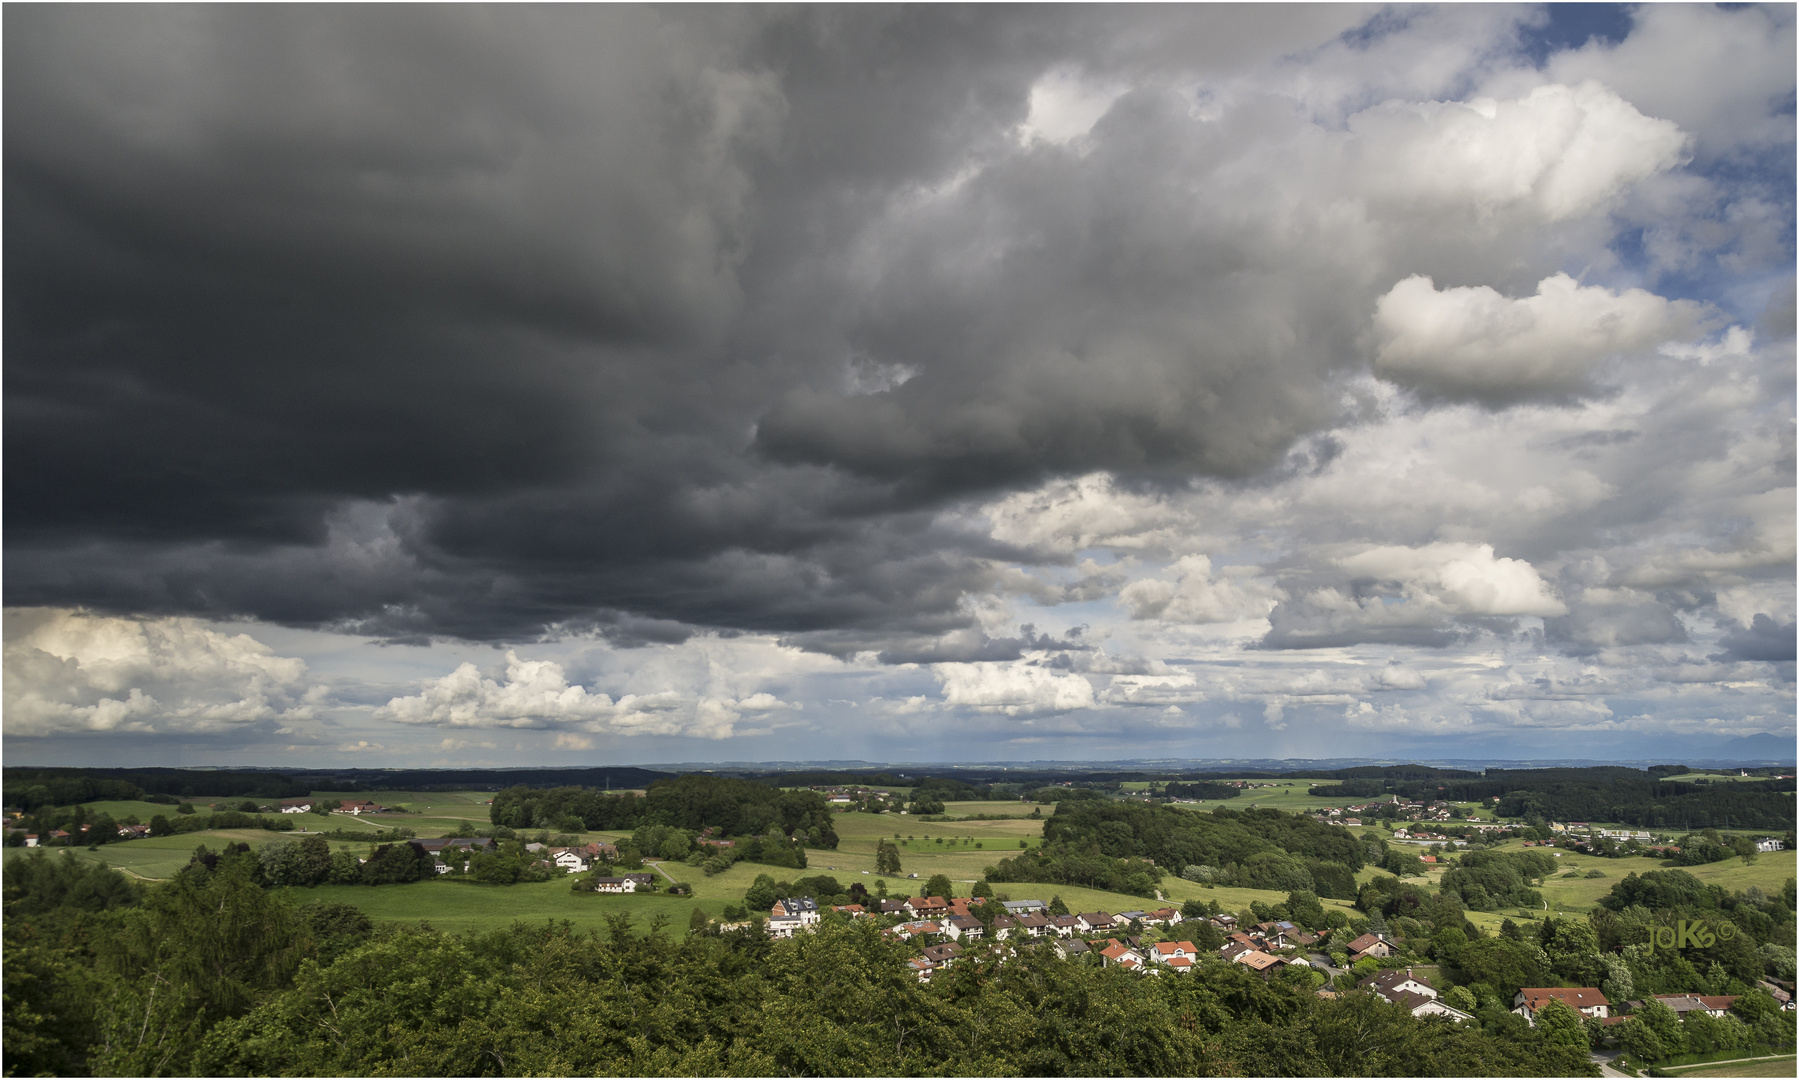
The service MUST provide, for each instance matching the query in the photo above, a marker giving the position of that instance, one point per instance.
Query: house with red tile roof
(1586, 1000)
(928, 907)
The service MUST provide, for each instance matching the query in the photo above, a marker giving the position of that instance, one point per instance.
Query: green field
(1774, 1066)
(966, 849)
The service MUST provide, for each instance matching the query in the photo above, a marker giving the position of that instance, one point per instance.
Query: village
(945, 931)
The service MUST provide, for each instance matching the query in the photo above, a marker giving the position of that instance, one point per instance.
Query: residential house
(923, 928)
(1227, 923)
(854, 911)
(1230, 950)
(1167, 916)
(134, 832)
(803, 908)
(614, 885)
(1164, 951)
(1768, 843)
(922, 968)
(644, 881)
(1585, 1000)
(297, 806)
(1683, 1004)
(942, 955)
(964, 926)
(928, 907)
(1035, 924)
(1093, 922)
(359, 807)
(1370, 945)
(1257, 960)
(1777, 993)
(1072, 947)
(1389, 985)
(1116, 954)
(1025, 907)
(1003, 926)
(571, 860)
(1421, 1006)
(1412, 991)
(1065, 925)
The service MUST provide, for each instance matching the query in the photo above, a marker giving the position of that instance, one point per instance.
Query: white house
(297, 806)
(802, 908)
(572, 861)
(614, 885)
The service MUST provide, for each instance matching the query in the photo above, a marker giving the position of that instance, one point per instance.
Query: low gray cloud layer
(1023, 345)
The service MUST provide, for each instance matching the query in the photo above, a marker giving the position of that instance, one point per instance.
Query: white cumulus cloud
(537, 694)
(1015, 689)
(70, 671)
(1465, 579)
(1562, 151)
(1473, 342)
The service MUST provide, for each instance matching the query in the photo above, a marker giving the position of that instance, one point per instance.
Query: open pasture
(157, 857)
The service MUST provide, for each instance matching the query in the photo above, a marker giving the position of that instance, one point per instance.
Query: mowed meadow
(960, 849)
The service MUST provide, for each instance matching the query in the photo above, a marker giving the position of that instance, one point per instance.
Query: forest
(728, 807)
(1128, 846)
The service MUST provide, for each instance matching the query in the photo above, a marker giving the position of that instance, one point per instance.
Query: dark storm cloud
(1763, 639)
(466, 320)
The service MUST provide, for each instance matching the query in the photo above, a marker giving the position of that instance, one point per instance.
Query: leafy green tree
(939, 885)
(336, 928)
(1303, 908)
(1504, 964)
(198, 949)
(761, 894)
(887, 860)
(1056, 906)
(982, 890)
(698, 922)
(1561, 1024)
(1462, 998)
(1664, 1025)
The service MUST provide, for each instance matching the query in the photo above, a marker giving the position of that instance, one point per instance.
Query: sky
(558, 385)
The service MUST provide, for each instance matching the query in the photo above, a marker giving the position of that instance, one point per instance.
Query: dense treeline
(1647, 799)
(210, 975)
(27, 788)
(1112, 845)
(734, 808)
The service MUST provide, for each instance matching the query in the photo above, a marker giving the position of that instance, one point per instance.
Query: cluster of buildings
(851, 794)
